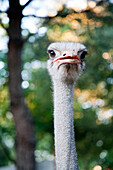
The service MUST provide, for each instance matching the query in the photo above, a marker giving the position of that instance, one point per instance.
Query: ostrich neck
(66, 158)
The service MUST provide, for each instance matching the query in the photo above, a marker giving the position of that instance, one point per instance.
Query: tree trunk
(25, 139)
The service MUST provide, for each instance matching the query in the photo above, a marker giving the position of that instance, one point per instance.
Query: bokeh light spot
(25, 84)
(97, 167)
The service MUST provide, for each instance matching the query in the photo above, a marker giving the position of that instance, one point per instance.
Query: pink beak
(68, 57)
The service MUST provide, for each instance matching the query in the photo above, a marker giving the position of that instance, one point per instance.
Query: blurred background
(42, 22)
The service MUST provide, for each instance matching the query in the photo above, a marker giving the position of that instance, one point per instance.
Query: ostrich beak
(68, 57)
(74, 59)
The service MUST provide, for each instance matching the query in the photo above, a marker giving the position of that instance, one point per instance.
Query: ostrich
(65, 65)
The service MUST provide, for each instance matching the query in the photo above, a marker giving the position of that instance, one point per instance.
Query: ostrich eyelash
(81, 50)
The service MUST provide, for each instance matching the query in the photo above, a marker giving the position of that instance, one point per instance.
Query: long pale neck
(66, 158)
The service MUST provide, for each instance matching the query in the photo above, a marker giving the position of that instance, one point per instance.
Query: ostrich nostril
(64, 54)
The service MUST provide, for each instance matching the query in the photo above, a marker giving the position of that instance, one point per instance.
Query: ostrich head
(66, 61)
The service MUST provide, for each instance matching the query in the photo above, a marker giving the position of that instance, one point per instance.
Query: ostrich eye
(51, 53)
(82, 56)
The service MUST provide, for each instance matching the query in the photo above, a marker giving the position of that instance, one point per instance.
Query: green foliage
(36, 50)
